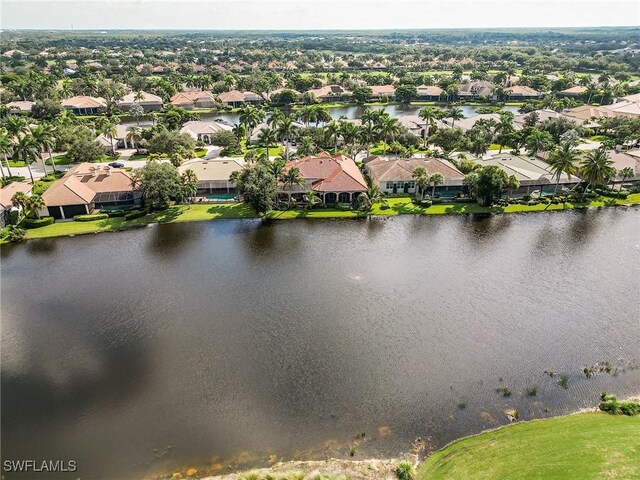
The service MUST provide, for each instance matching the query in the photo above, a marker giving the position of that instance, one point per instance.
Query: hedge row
(90, 217)
(133, 214)
(37, 222)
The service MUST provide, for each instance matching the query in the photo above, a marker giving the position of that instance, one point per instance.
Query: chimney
(108, 170)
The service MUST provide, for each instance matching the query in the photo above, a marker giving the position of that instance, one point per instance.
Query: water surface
(228, 341)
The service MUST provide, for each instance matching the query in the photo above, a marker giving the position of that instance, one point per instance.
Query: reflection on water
(199, 343)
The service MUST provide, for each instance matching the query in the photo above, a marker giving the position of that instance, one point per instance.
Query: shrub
(612, 405)
(133, 214)
(426, 203)
(16, 234)
(526, 197)
(564, 381)
(37, 222)
(90, 217)
(116, 213)
(404, 471)
(532, 392)
(504, 391)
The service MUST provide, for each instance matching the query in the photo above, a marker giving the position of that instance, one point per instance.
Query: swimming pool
(221, 197)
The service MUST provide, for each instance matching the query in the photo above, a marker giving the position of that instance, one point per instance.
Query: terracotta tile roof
(6, 193)
(329, 90)
(147, 98)
(189, 98)
(383, 89)
(523, 90)
(238, 96)
(206, 127)
(382, 169)
(577, 90)
(211, 170)
(23, 106)
(83, 101)
(430, 90)
(81, 183)
(330, 174)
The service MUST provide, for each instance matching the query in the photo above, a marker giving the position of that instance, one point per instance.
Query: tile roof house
(190, 100)
(330, 93)
(88, 186)
(236, 98)
(476, 89)
(430, 92)
(573, 91)
(20, 106)
(203, 129)
(149, 101)
(521, 92)
(334, 178)
(213, 175)
(6, 194)
(85, 105)
(380, 91)
(544, 114)
(394, 175)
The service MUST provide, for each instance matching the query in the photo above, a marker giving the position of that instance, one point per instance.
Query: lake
(350, 112)
(228, 341)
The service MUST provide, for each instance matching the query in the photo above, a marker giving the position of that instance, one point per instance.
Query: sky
(314, 14)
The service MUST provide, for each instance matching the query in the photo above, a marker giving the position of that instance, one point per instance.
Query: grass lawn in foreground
(585, 446)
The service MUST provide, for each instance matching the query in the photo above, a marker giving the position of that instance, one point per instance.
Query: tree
(311, 199)
(6, 147)
(110, 131)
(333, 133)
(35, 203)
(562, 160)
(538, 141)
(429, 115)
(134, 136)
(157, 182)
(448, 139)
(512, 183)
(266, 138)
(306, 147)
(454, 113)
(369, 134)
(250, 116)
(421, 178)
(367, 199)
(436, 179)
(167, 142)
(84, 149)
(20, 200)
(405, 93)
(46, 109)
(490, 183)
(44, 136)
(290, 178)
(504, 128)
(624, 173)
(136, 110)
(258, 187)
(27, 150)
(597, 168)
(286, 131)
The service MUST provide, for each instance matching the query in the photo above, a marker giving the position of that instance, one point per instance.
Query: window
(411, 184)
(389, 185)
(400, 184)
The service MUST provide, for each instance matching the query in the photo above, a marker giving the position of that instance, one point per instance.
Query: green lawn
(203, 212)
(586, 446)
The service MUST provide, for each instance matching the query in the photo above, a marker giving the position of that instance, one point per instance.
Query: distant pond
(227, 342)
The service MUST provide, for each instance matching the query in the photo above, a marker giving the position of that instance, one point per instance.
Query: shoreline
(344, 468)
(207, 212)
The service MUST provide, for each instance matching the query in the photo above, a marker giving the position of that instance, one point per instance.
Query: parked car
(116, 164)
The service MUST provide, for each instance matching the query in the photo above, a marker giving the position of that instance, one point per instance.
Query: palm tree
(596, 168)
(20, 200)
(367, 199)
(436, 179)
(626, 172)
(276, 118)
(35, 203)
(512, 183)
(368, 135)
(286, 130)
(429, 115)
(479, 145)
(454, 113)
(333, 133)
(504, 128)
(389, 127)
(311, 199)
(110, 131)
(306, 147)
(266, 138)
(44, 136)
(28, 151)
(538, 141)
(421, 178)
(562, 160)
(290, 178)
(6, 148)
(250, 117)
(134, 135)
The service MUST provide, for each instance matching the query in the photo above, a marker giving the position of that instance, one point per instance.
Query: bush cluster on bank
(133, 214)
(37, 222)
(610, 404)
(90, 217)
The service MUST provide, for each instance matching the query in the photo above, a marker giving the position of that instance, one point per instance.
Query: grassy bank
(203, 212)
(584, 446)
